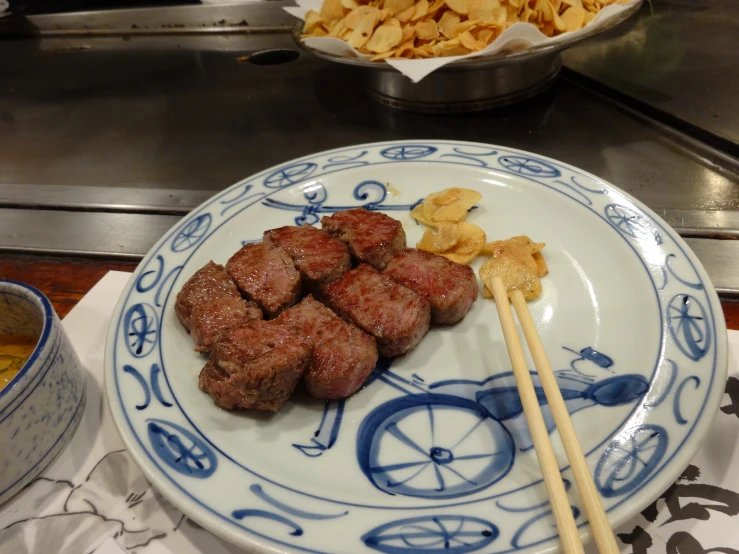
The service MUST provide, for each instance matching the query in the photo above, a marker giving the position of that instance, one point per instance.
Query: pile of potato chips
(517, 261)
(414, 29)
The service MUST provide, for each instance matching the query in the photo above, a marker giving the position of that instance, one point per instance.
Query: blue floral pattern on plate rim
(175, 449)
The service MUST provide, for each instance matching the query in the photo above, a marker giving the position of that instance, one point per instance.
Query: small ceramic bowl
(42, 406)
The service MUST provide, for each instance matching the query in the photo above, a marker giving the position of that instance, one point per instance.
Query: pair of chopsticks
(566, 526)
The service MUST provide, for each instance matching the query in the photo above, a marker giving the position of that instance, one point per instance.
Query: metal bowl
(468, 84)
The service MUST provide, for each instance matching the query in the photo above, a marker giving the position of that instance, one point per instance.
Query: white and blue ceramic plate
(433, 455)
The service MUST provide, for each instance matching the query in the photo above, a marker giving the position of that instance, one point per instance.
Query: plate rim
(247, 538)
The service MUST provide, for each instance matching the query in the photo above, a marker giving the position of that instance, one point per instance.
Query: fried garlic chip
(450, 205)
(518, 262)
(445, 239)
(514, 275)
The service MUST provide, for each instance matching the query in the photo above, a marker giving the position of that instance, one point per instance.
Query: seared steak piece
(395, 315)
(372, 237)
(208, 283)
(319, 258)
(255, 366)
(450, 288)
(266, 274)
(209, 320)
(343, 356)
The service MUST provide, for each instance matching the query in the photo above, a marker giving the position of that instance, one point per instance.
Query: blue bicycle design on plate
(456, 437)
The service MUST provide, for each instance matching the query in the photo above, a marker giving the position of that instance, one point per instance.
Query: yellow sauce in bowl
(14, 351)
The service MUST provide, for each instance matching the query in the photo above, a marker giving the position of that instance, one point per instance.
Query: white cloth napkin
(94, 499)
(517, 36)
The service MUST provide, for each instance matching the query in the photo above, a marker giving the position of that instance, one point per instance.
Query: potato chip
(385, 14)
(468, 25)
(385, 37)
(459, 6)
(447, 48)
(354, 17)
(573, 18)
(403, 48)
(470, 42)
(420, 10)
(559, 24)
(393, 22)
(435, 7)
(405, 15)
(482, 9)
(349, 4)
(486, 35)
(312, 20)
(396, 6)
(336, 28)
(361, 34)
(445, 239)
(383, 56)
(500, 16)
(332, 11)
(427, 30)
(448, 24)
(514, 275)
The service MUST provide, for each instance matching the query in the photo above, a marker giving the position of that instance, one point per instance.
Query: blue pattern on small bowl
(42, 406)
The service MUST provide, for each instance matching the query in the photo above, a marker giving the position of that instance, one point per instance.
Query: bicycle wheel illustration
(401, 450)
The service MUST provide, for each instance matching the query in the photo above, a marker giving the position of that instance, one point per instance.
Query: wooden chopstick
(601, 529)
(568, 533)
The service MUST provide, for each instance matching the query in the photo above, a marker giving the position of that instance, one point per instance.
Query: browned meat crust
(395, 315)
(372, 237)
(255, 366)
(343, 355)
(266, 274)
(319, 258)
(450, 288)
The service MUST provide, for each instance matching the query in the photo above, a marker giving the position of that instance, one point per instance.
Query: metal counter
(124, 121)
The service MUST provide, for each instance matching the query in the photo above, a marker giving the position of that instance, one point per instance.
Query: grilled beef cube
(255, 366)
(450, 288)
(343, 355)
(395, 315)
(266, 274)
(208, 283)
(208, 321)
(372, 237)
(319, 258)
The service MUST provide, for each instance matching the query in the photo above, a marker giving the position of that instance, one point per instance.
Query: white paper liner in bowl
(520, 35)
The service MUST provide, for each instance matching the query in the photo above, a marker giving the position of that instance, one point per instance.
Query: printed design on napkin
(732, 389)
(672, 521)
(113, 500)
